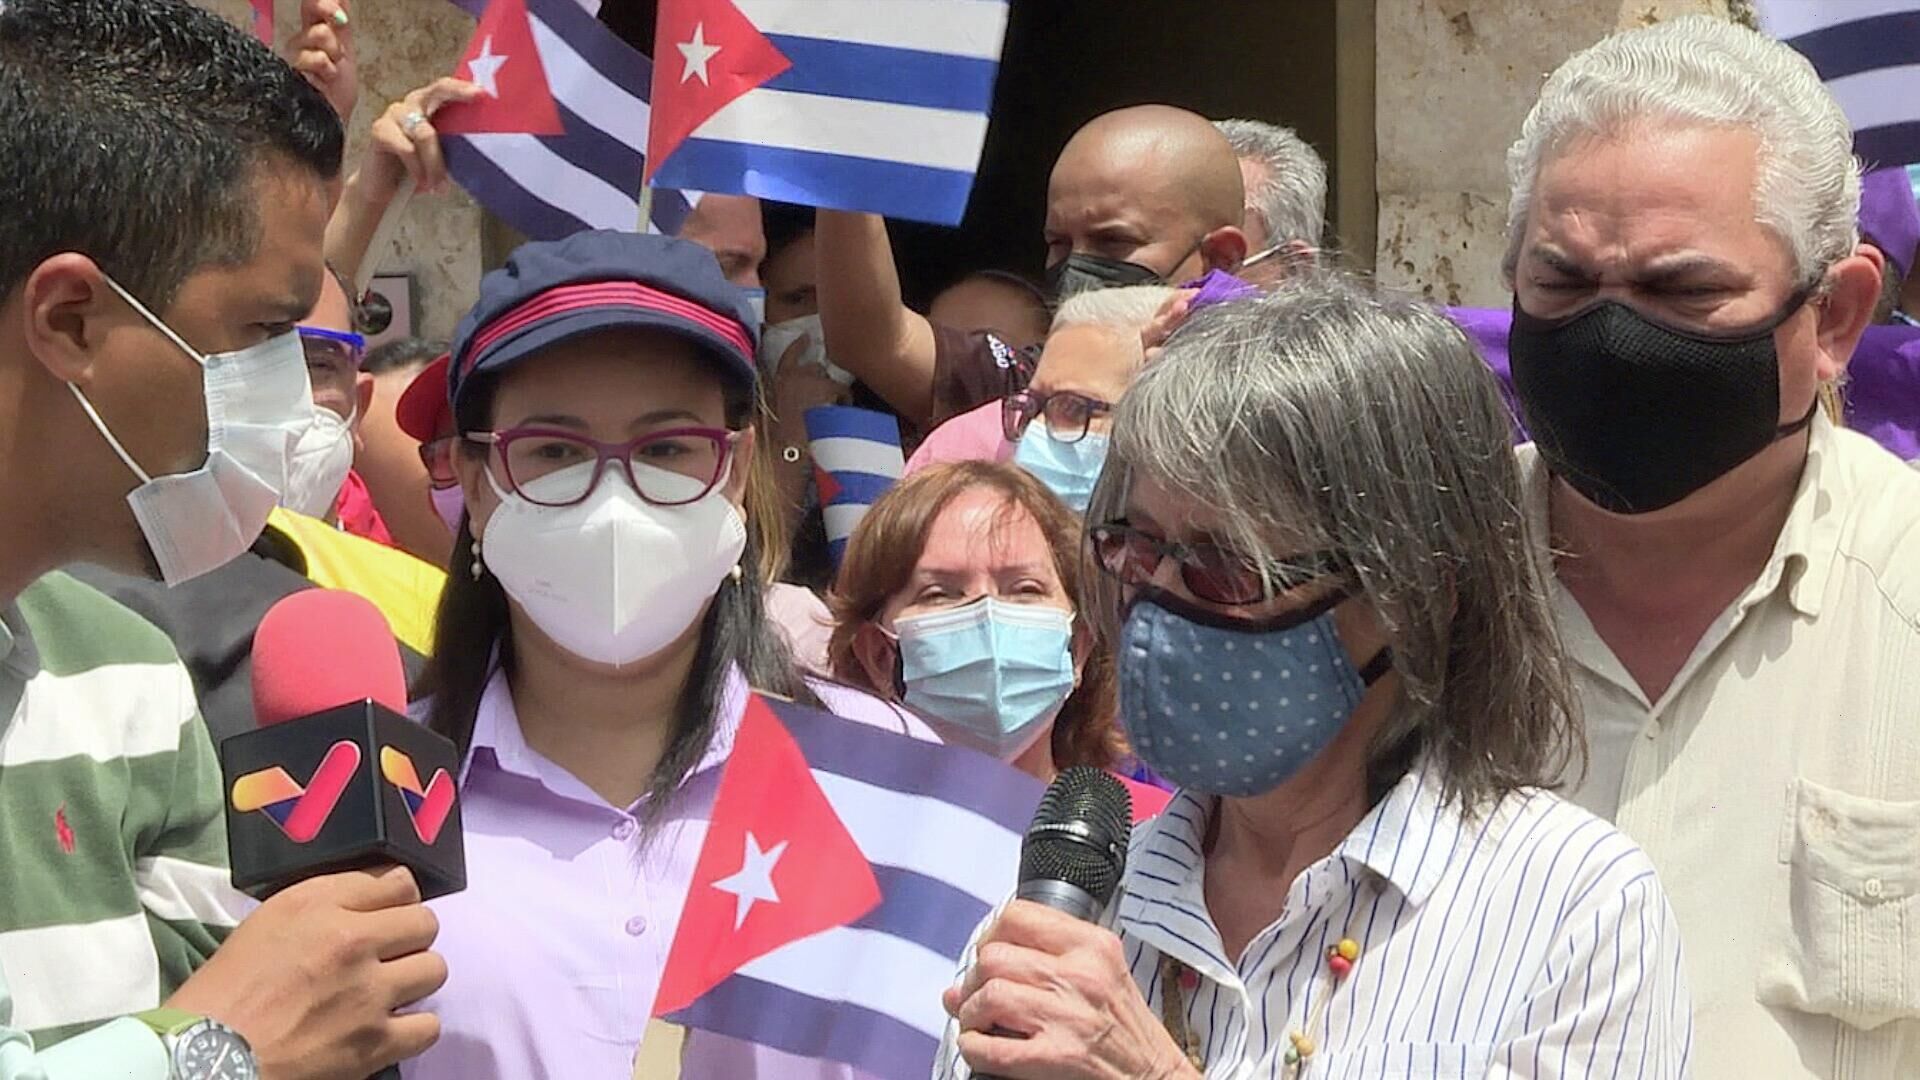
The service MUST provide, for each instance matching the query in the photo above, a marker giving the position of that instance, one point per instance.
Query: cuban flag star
(876, 105)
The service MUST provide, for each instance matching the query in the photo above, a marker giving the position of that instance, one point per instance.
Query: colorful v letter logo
(301, 812)
(428, 806)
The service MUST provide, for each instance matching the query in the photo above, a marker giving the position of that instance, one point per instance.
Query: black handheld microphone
(335, 777)
(1076, 848)
(1075, 851)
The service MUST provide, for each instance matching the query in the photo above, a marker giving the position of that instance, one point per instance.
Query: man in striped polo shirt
(170, 182)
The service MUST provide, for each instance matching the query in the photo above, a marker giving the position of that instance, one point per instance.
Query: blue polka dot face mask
(1225, 708)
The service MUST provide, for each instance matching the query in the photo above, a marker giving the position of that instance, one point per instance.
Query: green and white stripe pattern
(113, 848)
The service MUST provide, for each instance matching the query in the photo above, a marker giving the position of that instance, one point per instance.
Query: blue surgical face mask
(993, 674)
(1234, 712)
(1068, 469)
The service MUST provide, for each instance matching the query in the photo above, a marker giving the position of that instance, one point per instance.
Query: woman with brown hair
(958, 596)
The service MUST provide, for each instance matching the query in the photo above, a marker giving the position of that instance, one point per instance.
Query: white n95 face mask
(318, 466)
(613, 579)
(258, 403)
(777, 338)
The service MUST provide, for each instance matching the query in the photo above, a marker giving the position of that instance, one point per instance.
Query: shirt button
(637, 925)
(1874, 888)
(624, 829)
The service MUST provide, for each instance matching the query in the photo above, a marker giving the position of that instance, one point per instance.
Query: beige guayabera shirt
(1776, 784)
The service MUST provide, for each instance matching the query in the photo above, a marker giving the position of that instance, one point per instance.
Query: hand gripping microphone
(336, 777)
(1074, 852)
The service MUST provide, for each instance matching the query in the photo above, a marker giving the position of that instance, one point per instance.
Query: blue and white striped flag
(843, 871)
(1868, 54)
(589, 178)
(856, 457)
(877, 105)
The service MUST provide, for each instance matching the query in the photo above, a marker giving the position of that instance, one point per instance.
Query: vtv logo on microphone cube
(361, 803)
(301, 812)
(427, 807)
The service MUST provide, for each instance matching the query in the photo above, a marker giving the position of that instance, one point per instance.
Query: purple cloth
(1889, 216)
(1218, 287)
(1883, 390)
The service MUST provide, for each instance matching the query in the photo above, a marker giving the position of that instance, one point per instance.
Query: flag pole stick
(646, 207)
(382, 238)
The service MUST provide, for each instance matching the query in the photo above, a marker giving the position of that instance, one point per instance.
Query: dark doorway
(1067, 61)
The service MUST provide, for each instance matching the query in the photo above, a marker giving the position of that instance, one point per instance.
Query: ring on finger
(411, 122)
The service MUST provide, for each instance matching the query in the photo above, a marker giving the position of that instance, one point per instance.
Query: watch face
(209, 1051)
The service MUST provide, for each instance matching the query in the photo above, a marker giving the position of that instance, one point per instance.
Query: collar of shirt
(17, 653)
(1803, 558)
(1803, 555)
(498, 742)
(1402, 841)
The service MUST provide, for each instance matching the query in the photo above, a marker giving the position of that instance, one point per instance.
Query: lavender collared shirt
(556, 948)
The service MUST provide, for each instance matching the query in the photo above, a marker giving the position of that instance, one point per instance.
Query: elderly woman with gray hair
(1334, 636)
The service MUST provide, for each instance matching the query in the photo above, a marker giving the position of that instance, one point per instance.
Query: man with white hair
(1737, 578)
(1286, 194)
(1056, 427)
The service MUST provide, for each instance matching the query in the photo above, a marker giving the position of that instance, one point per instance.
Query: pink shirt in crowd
(804, 620)
(556, 948)
(974, 435)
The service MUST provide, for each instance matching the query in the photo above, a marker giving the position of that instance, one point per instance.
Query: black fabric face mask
(1637, 415)
(1081, 271)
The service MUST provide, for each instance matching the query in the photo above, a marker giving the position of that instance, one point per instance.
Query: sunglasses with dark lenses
(1210, 572)
(1067, 414)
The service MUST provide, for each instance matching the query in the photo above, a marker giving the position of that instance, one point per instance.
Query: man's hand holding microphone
(314, 977)
(342, 816)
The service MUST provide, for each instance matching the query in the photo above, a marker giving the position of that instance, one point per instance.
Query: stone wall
(404, 44)
(1453, 80)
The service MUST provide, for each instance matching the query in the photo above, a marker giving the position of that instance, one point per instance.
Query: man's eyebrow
(1688, 264)
(1559, 261)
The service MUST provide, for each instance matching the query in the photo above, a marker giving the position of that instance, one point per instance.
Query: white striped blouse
(1532, 941)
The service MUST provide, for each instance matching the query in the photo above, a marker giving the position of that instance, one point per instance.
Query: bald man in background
(1141, 195)
(729, 226)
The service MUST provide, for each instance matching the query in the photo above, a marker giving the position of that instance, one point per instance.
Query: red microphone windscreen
(318, 649)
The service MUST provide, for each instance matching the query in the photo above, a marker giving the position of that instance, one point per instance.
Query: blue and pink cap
(550, 292)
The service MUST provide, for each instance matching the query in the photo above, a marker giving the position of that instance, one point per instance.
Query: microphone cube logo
(300, 811)
(427, 806)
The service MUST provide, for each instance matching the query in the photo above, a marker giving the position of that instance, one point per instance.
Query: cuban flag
(843, 871)
(856, 457)
(559, 143)
(876, 105)
(1868, 54)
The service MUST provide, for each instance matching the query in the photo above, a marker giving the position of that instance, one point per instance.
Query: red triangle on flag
(828, 486)
(705, 54)
(263, 20)
(505, 63)
(777, 865)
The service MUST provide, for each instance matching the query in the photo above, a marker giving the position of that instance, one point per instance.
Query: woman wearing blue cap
(596, 643)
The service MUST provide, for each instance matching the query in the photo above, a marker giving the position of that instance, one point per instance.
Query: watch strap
(166, 1021)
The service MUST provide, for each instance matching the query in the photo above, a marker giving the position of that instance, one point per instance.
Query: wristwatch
(199, 1048)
